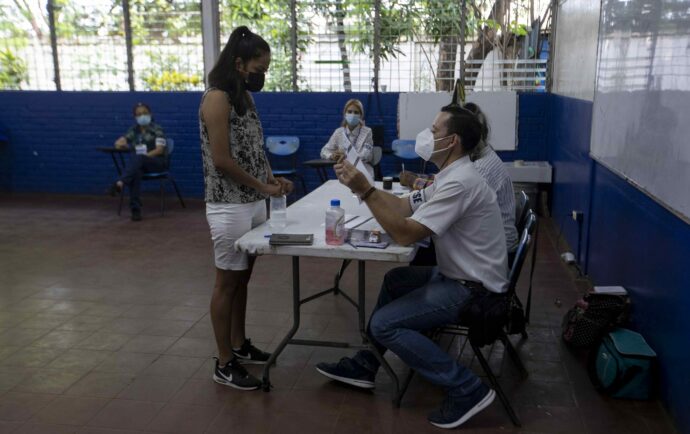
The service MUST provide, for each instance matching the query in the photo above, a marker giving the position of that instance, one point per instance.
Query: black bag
(592, 317)
(517, 323)
(485, 315)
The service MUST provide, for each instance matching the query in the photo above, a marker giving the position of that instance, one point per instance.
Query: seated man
(459, 211)
(491, 168)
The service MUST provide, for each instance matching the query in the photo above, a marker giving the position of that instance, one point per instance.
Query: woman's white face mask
(424, 145)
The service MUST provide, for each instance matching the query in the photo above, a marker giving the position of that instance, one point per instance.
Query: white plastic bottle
(335, 224)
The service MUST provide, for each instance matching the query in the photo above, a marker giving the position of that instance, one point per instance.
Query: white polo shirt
(462, 212)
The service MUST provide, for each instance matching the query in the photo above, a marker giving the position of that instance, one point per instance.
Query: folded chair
(461, 328)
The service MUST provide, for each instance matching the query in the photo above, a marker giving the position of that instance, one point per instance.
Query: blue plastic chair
(284, 162)
(404, 149)
(161, 177)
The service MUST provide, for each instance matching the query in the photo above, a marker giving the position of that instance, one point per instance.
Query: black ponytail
(225, 76)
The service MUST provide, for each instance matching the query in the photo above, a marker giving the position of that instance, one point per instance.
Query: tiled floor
(104, 329)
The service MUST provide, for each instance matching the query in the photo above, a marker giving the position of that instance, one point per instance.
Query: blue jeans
(414, 300)
(137, 166)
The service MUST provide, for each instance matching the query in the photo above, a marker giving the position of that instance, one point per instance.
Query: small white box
(529, 171)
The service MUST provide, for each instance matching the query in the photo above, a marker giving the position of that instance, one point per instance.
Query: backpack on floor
(592, 317)
(621, 367)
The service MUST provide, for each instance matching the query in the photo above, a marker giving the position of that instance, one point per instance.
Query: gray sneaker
(234, 375)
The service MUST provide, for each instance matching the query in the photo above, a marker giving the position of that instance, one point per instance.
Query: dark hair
(481, 117)
(225, 76)
(140, 104)
(464, 123)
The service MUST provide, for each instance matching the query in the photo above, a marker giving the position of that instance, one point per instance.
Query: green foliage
(271, 20)
(163, 74)
(12, 70)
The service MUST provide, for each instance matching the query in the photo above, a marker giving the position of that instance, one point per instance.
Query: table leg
(322, 174)
(295, 324)
(365, 339)
(117, 166)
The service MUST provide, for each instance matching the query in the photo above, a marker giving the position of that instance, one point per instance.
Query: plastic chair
(285, 148)
(461, 330)
(161, 177)
(404, 149)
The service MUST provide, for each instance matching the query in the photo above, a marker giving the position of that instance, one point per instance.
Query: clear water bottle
(278, 219)
(335, 224)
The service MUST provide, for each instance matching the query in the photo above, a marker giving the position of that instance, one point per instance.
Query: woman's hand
(272, 188)
(286, 184)
(121, 143)
(348, 175)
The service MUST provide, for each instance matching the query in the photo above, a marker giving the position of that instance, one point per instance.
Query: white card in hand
(356, 161)
(140, 149)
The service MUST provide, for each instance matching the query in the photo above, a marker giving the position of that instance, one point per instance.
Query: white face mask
(352, 119)
(424, 145)
(144, 120)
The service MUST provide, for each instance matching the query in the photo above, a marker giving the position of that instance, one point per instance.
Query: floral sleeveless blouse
(246, 140)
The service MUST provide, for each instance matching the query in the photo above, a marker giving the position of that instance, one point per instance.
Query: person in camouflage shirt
(147, 144)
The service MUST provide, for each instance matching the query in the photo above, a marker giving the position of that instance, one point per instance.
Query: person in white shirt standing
(460, 212)
(352, 132)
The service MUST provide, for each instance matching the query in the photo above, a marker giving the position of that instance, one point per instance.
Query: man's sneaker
(349, 372)
(455, 411)
(249, 354)
(234, 375)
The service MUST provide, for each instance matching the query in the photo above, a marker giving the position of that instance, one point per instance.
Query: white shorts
(228, 222)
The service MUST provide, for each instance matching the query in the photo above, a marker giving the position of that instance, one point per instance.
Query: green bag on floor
(622, 365)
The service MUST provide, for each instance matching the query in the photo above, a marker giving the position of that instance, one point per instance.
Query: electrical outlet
(577, 215)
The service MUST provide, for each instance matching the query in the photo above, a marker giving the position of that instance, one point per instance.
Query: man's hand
(348, 175)
(286, 185)
(337, 155)
(407, 178)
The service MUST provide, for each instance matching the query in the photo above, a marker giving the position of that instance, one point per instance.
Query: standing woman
(351, 132)
(237, 180)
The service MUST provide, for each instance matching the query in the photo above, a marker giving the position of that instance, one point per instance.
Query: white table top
(307, 216)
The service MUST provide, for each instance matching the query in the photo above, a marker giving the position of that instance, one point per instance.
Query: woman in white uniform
(353, 132)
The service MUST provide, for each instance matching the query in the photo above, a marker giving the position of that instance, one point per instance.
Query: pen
(403, 166)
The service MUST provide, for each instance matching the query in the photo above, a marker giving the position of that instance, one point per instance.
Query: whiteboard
(641, 111)
(417, 110)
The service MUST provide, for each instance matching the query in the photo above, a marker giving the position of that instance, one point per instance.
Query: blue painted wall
(628, 240)
(53, 134)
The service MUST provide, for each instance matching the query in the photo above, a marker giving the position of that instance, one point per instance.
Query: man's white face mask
(424, 145)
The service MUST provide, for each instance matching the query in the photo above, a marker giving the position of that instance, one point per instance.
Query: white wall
(577, 31)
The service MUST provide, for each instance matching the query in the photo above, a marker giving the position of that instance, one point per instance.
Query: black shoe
(349, 372)
(136, 215)
(234, 375)
(249, 354)
(455, 410)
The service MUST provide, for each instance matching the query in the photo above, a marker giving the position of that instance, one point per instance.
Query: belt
(471, 284)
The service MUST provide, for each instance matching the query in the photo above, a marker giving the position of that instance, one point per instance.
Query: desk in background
(113, 151)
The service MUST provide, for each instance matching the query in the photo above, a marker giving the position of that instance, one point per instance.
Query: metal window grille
(333, 45)
(91, 45)
(166, 44)
(26, 60)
